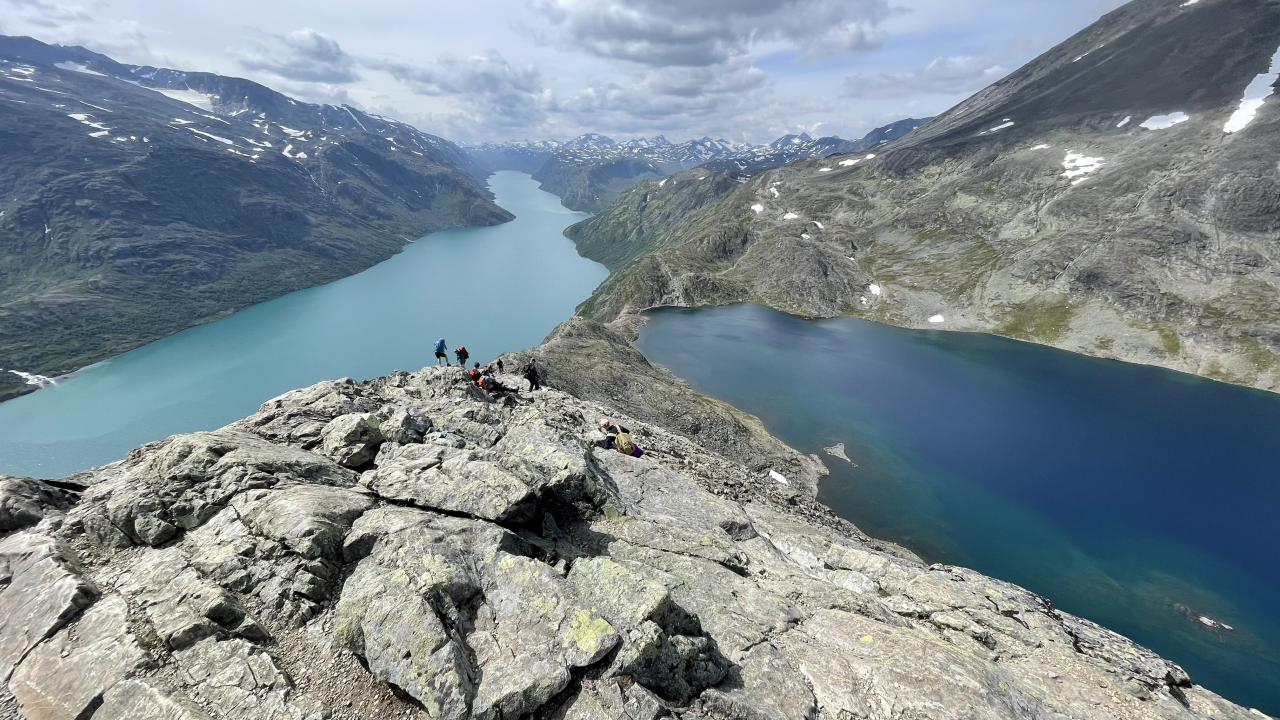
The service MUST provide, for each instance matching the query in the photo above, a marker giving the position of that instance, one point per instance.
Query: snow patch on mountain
(77, 67)
(190, 97)
(1254, 96)
(83, 118)
(211, 136)
(1079, 166)
(1164, 122)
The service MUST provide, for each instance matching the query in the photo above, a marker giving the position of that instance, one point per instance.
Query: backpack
(462, 350)
(440, 345)
(624, 444)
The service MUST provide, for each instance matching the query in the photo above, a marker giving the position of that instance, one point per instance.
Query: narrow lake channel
(493, 289)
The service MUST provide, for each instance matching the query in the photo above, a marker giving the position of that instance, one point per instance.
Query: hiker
(462, 355)
(501, 369)
(531, 374)
(491, 384)
(474, 373)
(619, 438)
(441, 346)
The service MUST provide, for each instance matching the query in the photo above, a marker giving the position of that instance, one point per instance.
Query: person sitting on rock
(491, 384)
(475, 374)
(619, 438)
(462, 355)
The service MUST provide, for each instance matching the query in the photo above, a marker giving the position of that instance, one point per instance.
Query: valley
(129, 215)
(1039, 209)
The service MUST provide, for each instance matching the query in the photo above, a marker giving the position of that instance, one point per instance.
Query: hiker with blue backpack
(441, 352)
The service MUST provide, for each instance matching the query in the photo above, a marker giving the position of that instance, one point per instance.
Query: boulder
(352, 440)
(25, 502)
(478, 483)
(445, 610)
(403, 425)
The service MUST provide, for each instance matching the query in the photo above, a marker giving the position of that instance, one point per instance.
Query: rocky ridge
(412, 547)
(1116, 197)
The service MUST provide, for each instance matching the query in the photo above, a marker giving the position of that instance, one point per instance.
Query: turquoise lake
(1136, 497)
(493, 289)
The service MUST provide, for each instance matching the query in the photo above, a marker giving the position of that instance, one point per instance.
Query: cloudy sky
(512, 69)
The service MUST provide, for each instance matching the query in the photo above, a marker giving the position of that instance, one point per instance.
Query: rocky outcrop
(476, 558)
(1104, 199)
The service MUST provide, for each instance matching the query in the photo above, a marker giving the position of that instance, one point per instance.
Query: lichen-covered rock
(183, 606)
(41, 589)
(470, 481)
(62, 678)
(492, 562)
(237, 679)
(762, 686)
(449, 611)
(611, 699)
(187, 480)
(137, 700)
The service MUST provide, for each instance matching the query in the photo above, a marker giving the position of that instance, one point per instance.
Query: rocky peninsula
(413, 547)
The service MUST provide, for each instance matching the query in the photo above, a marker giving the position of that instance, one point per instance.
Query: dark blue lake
(1139, 498)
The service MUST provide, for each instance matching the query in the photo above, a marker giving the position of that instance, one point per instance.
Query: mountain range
(136, 201)
(590, 171)
(1117, 196)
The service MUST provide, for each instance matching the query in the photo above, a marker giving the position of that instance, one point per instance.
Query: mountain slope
(1108, 198)
(138, 201)
(656, 214)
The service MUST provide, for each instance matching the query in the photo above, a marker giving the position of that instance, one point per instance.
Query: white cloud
(711, 32)
(304, 55)
(742, 69)
(956, 75)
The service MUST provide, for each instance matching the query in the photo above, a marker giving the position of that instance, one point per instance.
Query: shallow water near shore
(1139, 498)
(493, 289)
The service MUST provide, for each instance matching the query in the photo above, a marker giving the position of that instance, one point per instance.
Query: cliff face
(410, 547)
(1116, 197)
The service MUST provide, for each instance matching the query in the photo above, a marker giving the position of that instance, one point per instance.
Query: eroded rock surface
(407, 547)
